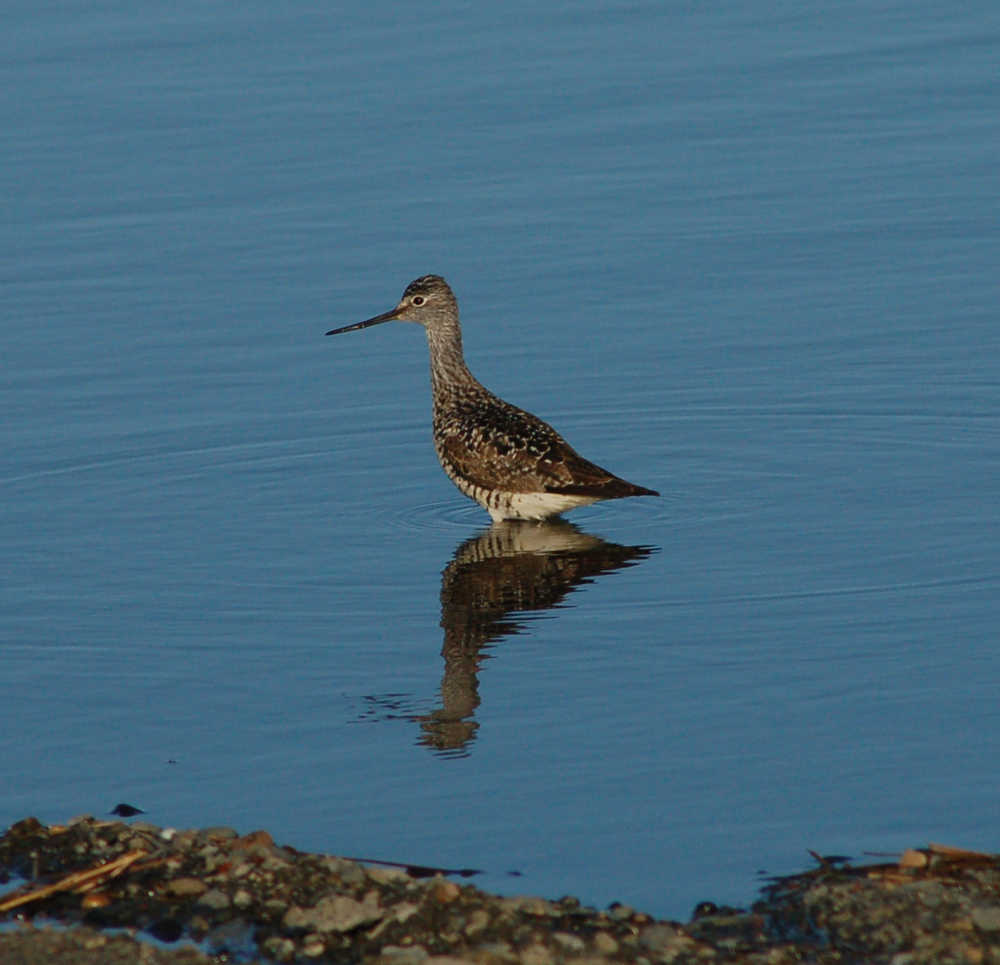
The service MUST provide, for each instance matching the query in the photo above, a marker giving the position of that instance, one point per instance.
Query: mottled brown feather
(496, 445)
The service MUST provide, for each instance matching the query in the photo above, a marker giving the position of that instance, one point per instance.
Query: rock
(219, 833)
(242, 899)
(446, 891)
(620, 912)
(911, 858)
(387, 876)
(404, 910)
(397, 955)
(569, 942)
(186, 887)
(280, 949)
(604, 944)
(478, 920)
(335, 914)
(214, 899)
(986, 917)
(313, 946)
(537, 955)
(657, 938)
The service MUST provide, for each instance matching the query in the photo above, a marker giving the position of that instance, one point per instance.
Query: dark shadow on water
(510, 568)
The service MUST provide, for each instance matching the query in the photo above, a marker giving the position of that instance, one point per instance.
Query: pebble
(446, 891)
(569, 942)
(337, 913)
(986, 917)
(186, 887)
(478, 920)
(313, 947)
(214, 899)
(281, 949)
(656, 938)
(221, 833)
(242, 899)
(404, 910)
(537, 955)
(410, 955)
(619, 912)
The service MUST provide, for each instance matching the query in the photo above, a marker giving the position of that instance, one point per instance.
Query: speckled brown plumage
(512, 463)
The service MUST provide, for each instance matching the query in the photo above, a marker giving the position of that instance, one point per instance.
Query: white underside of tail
(531, 505)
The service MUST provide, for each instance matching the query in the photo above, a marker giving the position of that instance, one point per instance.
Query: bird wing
(494, 444)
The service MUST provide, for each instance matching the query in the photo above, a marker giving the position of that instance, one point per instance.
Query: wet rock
(571, 943)
(445, 891)
(657, 938)
(278, 948)
(247, 896)
(242, 899)
(215, 899)
(537, 954)
(986, 917)
(335, 914)
(412, 955)
(186, 887)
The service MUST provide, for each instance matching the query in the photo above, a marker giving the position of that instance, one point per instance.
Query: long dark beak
(377, 320)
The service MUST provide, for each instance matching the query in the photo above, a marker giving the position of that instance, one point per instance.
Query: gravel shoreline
(246, 899)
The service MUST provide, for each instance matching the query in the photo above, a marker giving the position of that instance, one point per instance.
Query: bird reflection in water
(512, 567)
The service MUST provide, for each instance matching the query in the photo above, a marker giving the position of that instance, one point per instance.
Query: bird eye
(417, 300)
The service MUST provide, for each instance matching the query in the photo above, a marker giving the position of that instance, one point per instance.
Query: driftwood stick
(80, 880)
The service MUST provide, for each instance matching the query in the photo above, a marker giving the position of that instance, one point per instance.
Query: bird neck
(448, 368)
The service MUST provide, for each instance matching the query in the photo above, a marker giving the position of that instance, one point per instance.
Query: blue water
(745, 256)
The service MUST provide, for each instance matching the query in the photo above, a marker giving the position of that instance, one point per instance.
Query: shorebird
(509, 461)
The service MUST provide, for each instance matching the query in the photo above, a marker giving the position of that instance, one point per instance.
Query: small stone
(986, 917)
(337, 913)
(256, 838)
(446, 892)
(604, 943)
(495, 952)
(478, 920)
(911, 858)
(404, 910)
(144, 827)
(215, 899)
(386, 876)
(242, 899)
(620, 912)
(219, 833)
(411, 955)
(27, 827)
(527, 905)
(186, 887)
(313, 946)
(536, 955)
(280, 949)
(95, 899)
(568, 941)
(656, 938)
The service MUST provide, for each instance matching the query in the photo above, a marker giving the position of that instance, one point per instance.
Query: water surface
(746, 257)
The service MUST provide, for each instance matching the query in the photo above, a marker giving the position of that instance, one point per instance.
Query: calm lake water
(742, 254)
